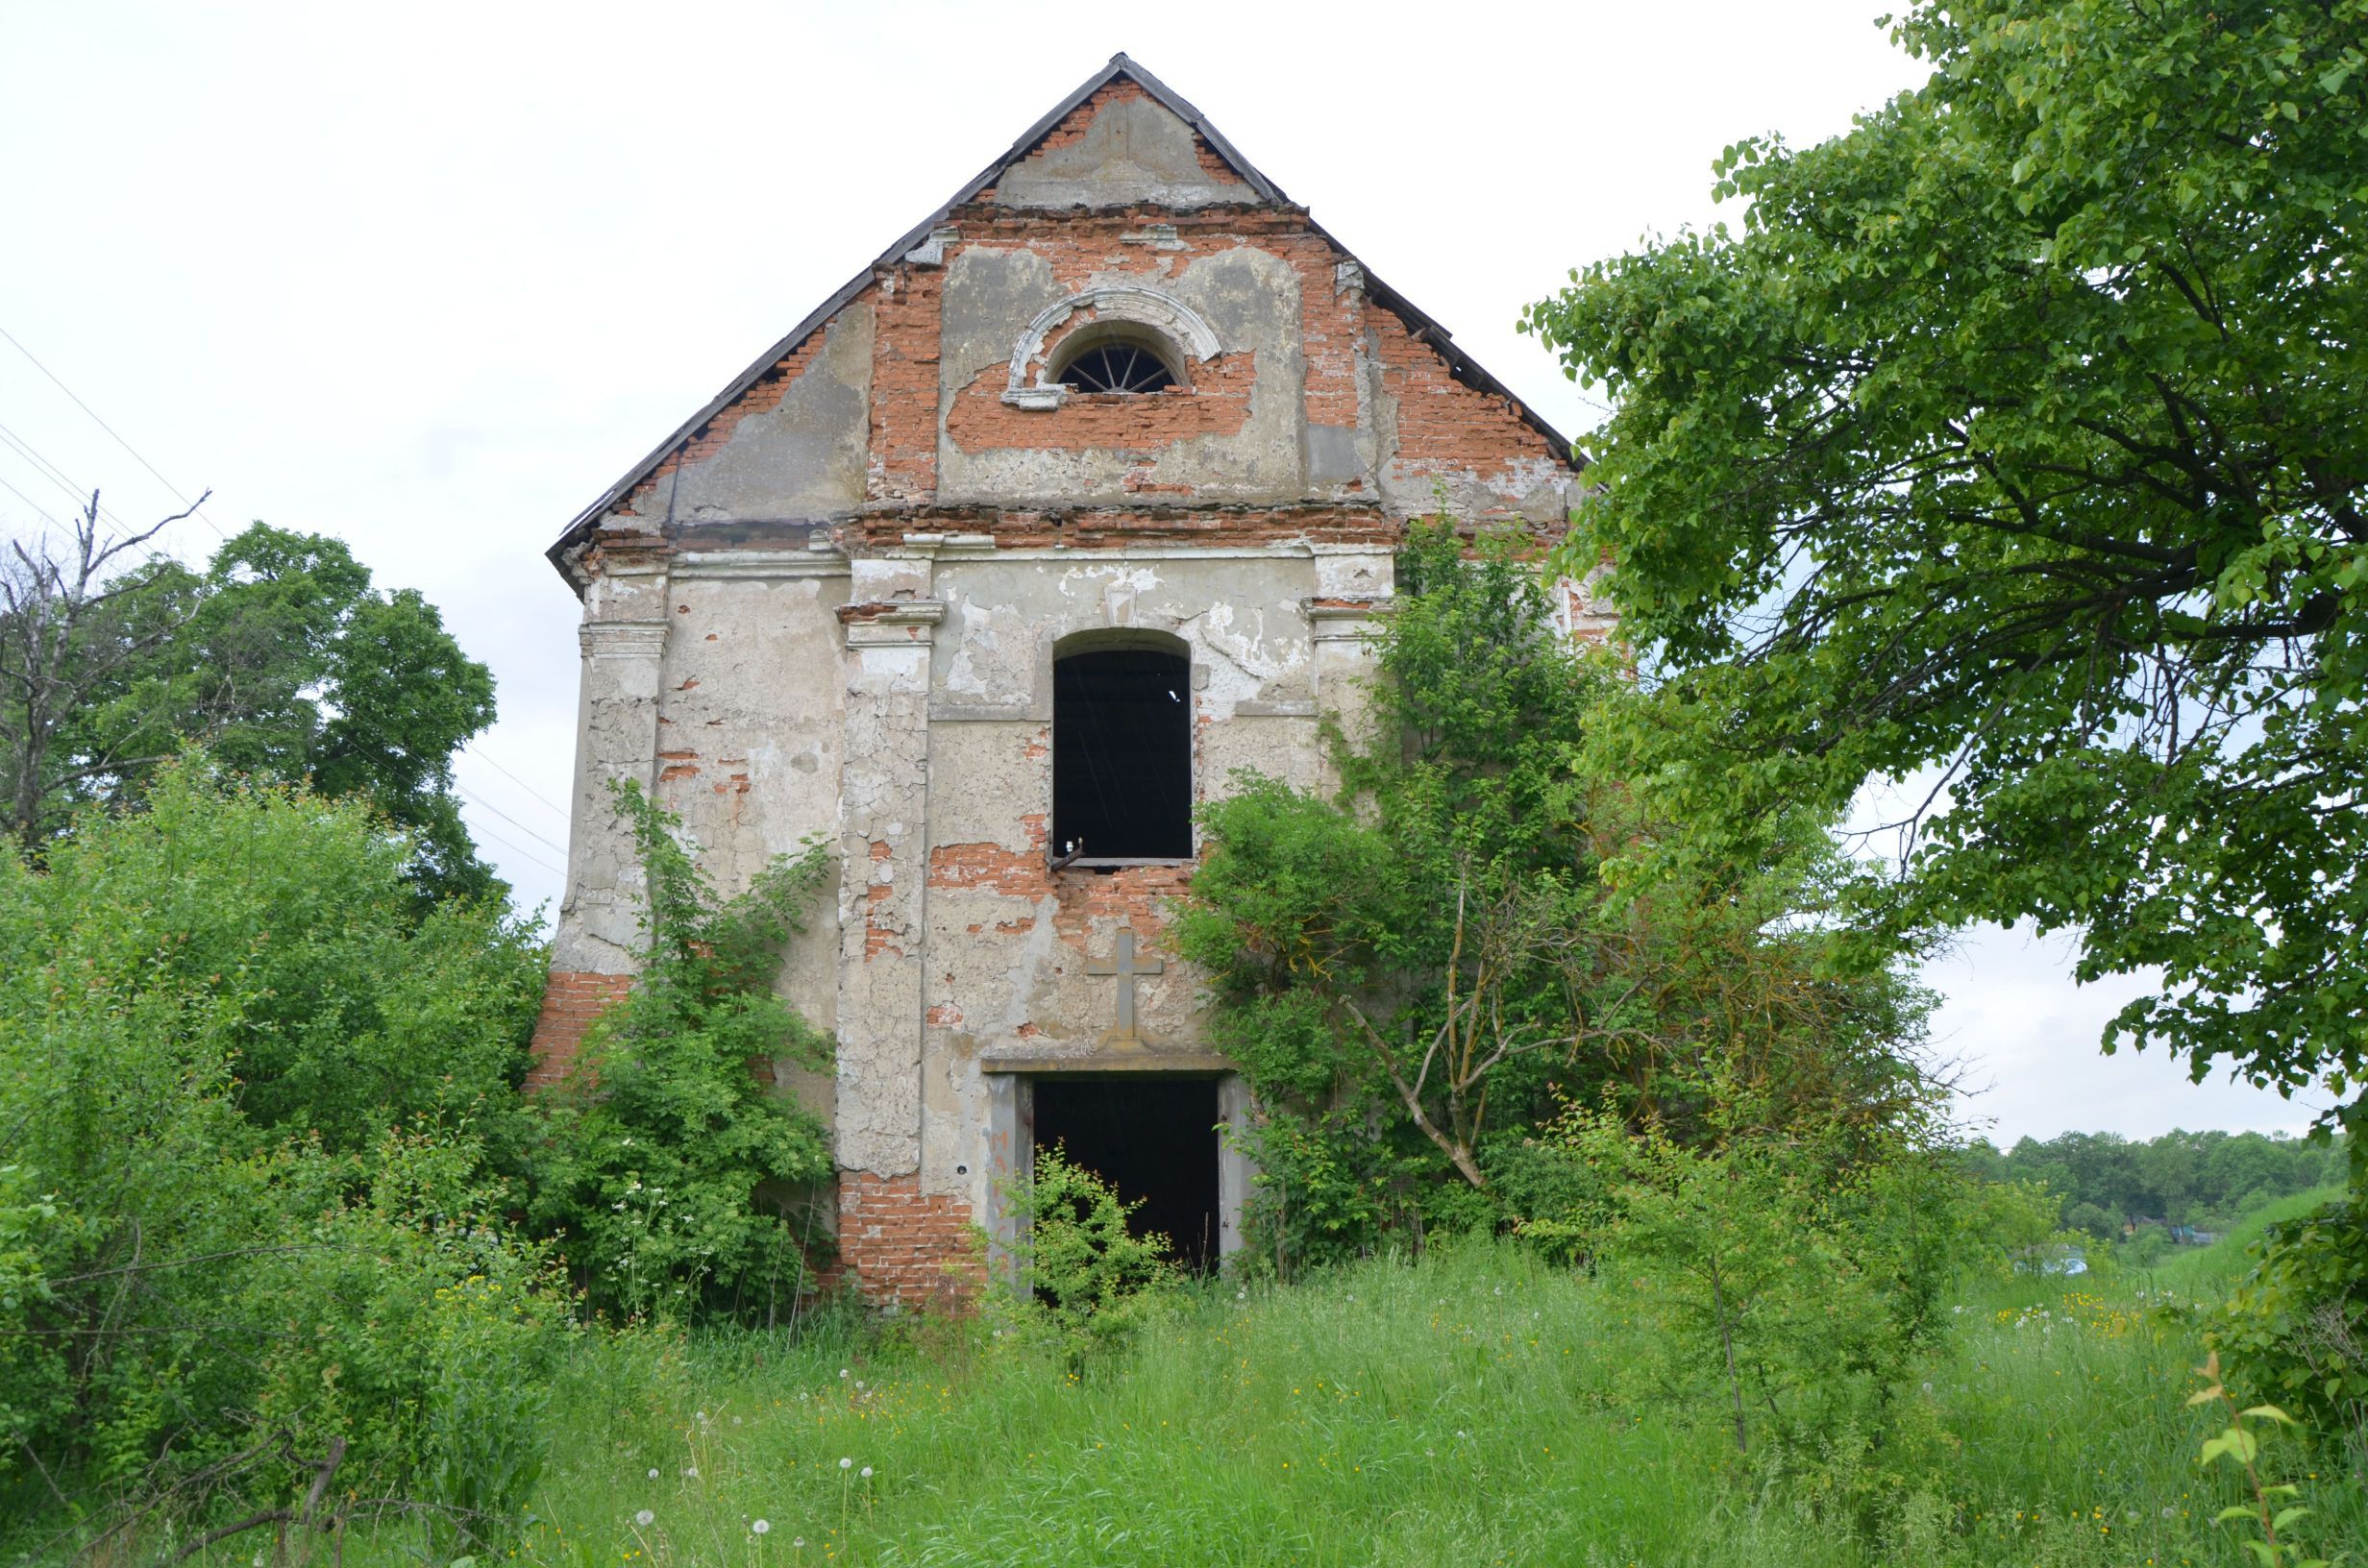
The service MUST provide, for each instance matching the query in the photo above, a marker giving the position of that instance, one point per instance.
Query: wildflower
(644, 1517)
(799, 1543)
(654, 1472)
(842, 1374)
(867, 1472)
(847, 1465)
(761, 1527)
(690, 1472)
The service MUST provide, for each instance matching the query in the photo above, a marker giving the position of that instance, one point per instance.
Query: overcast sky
(428, 278)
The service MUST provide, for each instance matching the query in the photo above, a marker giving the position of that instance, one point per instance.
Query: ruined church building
(1077, 500)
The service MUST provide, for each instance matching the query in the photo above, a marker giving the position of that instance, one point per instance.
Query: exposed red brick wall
(571, 1000)
(1440, 420)
(905, 1247)
(1217, 405)
(906, 325)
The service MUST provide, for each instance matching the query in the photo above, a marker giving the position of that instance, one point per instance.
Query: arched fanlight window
(1118, 357)
(1122, 750)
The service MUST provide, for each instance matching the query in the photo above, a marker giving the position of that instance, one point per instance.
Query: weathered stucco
(832, 610)
(1129, 151)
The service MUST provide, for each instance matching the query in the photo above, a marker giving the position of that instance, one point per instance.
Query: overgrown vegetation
(1421, 974)
(676, 1170)
(255, 1112)
(1483, 1404)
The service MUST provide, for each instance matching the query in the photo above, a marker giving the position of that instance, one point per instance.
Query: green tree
(280, 657)
(1413, 975)
(2016, 435)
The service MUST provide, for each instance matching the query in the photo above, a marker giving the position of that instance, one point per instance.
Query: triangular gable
(1120, 70)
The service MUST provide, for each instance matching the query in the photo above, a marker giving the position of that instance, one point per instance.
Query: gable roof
(1462, 366)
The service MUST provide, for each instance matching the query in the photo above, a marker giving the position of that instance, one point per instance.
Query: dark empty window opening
(1118, 366)
(1152, 1137)
(1122, 755)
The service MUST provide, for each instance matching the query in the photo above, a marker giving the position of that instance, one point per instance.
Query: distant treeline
(2199, 1179)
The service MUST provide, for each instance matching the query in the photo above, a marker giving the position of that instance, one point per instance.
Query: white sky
(428, 278)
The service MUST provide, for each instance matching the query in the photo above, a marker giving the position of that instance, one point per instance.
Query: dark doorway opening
(1122, 754)
(1154, 1138)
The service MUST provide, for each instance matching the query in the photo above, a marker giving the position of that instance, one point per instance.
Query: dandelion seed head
(761, 1527)
(847, 1465)
(867, 1472)
(644, 1517)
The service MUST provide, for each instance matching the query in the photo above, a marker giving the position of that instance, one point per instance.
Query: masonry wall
(829, 612)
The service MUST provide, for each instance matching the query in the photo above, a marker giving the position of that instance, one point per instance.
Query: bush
(430, 1333)
(675, 1171)
(252, 1103)
(2294, 1332)
(1081, 1272)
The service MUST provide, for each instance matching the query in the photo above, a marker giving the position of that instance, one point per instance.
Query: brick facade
(571, 1001)
(902, 1246)
(839, 590)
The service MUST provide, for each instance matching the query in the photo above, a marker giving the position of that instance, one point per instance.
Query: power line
(523, 850)
(58, 477)
(42, 466)
(29, 502)
(466, 793)
(110, 429)
(520, 782)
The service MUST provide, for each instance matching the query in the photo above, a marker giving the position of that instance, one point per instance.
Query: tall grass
(1477, 1407)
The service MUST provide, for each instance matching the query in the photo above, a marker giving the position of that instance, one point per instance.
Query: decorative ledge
(622, 639)
(890, 622)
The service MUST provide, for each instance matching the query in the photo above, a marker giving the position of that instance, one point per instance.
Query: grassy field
(1477, 1409)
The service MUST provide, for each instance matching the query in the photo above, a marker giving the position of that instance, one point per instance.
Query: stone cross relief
(1126, 965)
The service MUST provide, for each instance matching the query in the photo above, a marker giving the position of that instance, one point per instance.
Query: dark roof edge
(1459, 365)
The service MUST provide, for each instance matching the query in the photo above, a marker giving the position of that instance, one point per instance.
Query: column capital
(622, 639)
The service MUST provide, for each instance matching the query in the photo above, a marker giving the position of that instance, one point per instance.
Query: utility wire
(41, 465)
(467, 794)
(515, 779)
(523, 850)
(110, 429)
(29, 502)
(57, 476)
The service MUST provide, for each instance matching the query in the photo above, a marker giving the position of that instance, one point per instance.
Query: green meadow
(1478, 1406)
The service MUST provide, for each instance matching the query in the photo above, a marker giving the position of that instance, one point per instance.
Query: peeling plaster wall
(751, 730)
(832, 608)
(1009, 940)
(1251, 298)
(1121, 149)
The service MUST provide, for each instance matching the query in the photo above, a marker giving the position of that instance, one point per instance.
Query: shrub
(673, 1169)
(2294, 1332)
(245, 1085)
(1079, 1271)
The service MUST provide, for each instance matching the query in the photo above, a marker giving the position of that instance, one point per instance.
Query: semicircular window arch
(1121, 358)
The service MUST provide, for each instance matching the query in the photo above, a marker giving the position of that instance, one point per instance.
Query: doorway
(1153, 1136)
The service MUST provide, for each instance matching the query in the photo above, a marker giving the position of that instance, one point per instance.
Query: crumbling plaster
(1133, 151)
(742, 666)
(1248, 297)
